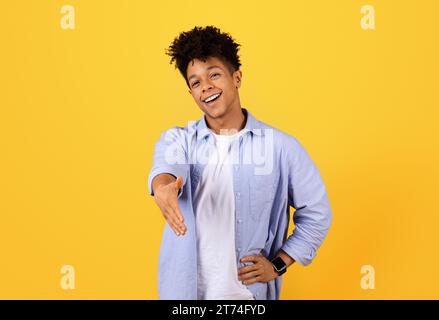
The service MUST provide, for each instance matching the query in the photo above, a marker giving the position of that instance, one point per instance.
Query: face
(212, 79)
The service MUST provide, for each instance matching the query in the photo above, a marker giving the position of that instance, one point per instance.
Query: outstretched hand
(166, 198)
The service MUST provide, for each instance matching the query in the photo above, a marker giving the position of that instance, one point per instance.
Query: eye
(193, 84)
(215, 74)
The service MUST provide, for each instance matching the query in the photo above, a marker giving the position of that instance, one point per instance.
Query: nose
(206, 86)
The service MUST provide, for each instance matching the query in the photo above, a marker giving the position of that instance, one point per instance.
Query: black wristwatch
(279, 265)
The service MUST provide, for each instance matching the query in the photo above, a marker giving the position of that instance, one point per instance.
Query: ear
(237, 78)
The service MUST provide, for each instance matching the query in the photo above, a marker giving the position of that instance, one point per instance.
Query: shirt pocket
(261, 190)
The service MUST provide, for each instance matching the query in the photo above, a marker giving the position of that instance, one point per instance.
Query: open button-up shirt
(272, 173)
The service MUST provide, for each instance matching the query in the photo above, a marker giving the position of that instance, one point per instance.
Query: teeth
(212, 97)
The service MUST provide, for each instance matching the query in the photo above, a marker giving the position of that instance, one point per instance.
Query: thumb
(178, 183)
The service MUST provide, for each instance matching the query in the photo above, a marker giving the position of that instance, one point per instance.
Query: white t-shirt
(214, 206)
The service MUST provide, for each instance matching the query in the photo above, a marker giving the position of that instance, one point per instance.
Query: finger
(250, 258)
(176, 209)
(253, 280)
(178, 183)
(176, 224)
(247, 269)
(173, 223)
(173, 216)
(249, 275)
(173, 226)
(177, 215)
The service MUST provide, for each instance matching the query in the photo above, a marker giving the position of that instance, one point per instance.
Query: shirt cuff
(299, 250)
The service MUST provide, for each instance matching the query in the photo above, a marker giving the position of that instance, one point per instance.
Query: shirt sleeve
(308, 195)
(170, 156)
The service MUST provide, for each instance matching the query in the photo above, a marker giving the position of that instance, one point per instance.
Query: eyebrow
(211, 67)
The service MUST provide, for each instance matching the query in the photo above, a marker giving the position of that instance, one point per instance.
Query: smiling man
(225, 185)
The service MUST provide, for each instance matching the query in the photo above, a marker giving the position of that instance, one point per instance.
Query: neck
(234, 120)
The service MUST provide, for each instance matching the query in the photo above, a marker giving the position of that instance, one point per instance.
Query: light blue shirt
(272, 172)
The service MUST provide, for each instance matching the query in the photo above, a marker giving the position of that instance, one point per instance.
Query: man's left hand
(261, 270)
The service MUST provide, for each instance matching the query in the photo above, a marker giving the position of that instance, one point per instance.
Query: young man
(225, 185)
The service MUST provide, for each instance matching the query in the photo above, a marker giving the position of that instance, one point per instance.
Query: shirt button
(238, 195)
(236, 168)
(239, 220)
(239, 249)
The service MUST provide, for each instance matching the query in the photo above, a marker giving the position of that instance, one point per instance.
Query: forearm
(285, 257)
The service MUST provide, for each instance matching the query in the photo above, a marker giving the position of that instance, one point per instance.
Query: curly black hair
(201, 43)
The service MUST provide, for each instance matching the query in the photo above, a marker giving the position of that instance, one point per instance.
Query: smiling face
(213, 87)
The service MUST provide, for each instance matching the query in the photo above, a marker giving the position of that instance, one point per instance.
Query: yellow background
(81, 110)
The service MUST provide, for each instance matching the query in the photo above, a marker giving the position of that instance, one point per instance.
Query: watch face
(279, 264)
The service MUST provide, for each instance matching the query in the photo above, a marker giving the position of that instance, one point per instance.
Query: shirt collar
(252, 125)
